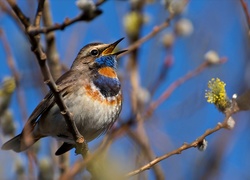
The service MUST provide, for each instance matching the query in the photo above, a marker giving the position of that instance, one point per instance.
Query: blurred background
(197, 28)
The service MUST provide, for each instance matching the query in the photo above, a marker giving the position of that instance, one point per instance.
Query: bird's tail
(19, 143)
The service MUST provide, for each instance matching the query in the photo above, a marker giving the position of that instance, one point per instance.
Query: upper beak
(109, 49)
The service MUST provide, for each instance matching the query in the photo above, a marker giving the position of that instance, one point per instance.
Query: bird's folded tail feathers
(64, 148)
(18, 144)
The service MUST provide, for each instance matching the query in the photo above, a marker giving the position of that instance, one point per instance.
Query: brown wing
(64, 84)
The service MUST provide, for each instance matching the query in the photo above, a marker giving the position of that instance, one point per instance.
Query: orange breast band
(108, 72)
(95, 95)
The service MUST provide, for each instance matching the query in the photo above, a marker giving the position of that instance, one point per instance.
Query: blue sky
(218, 25)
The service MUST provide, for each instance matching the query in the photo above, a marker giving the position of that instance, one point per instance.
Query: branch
(20, 96)
(194, 144)
(134, 76)
(51, 50)
(41, 57)
(39, 13)
(55, 67)
(154, 31)
(244, 6)
(106, 142)
(84, 16)
(153, 105)
(141, 139)
(15, 73)
(8, 11)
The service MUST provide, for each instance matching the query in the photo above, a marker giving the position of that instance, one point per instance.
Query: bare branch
(15, 73)
(136, 104)
(24, 20)
(141, 139)
(39, 13)
(154, 31)
(84, 16)
(186, 146)
(51, 50)
(176, 84)
(41, 57)
(244, 6)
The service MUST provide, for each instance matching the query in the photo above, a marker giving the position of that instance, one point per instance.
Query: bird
(92, 92)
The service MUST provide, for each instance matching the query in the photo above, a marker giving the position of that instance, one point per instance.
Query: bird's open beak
(109, 49)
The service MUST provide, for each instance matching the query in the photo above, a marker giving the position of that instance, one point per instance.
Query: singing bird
(92, 92)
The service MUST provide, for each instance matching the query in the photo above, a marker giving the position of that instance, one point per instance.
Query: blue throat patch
(109, 61)
(108, 86)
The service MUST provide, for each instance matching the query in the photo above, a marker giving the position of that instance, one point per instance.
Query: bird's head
(97, 55)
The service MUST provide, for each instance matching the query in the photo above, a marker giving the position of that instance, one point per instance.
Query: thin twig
(39, 13)
(51, 50)
(186, 146)
(55, 68)
(245, 8)
(41, 57)
(154, 31)
(136, 105)
(141, 139)
(9, 12)
(20, 94)
(105, 144)
(15, 73)
(153, 105)
(84, 16)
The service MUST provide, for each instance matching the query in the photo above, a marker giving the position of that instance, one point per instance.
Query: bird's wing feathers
(47, 102)
(64, 84)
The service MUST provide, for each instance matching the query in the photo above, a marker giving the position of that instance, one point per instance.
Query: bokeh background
(215, 25)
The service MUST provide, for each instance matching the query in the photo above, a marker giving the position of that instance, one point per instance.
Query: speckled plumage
(92, 92)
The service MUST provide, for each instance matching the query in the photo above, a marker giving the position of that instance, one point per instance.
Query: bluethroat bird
(92, 92)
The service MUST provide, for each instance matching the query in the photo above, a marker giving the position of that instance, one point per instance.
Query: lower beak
(119, 52)
(111, 47)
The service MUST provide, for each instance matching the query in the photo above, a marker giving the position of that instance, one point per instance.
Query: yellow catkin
(217, 93)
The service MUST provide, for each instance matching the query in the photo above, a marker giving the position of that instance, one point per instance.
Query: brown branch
(153, 105)
(67, 22)
(194, 144)
(39, 13)
(10, 59)
(24, 20)
(141, 139)
(15, 73)
(55, 68)
(41, 57)
(89, 160)
(100, 2)
(154, 31)
(51, 50)
(84, 16)
(20, 95)
(105, 144)
(9, 12)
(136, 104)
(244, 6)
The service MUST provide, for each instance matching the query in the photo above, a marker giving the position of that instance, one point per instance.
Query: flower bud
(230, 123)
(175, 7)
(212, 57)
(168, 40)
(86, 5)
(202, 146)
(132, 23)
(184, 27)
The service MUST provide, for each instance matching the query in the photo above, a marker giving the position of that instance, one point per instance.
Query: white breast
(92, 113)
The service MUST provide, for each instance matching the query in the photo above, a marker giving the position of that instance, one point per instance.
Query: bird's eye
(94, 52)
